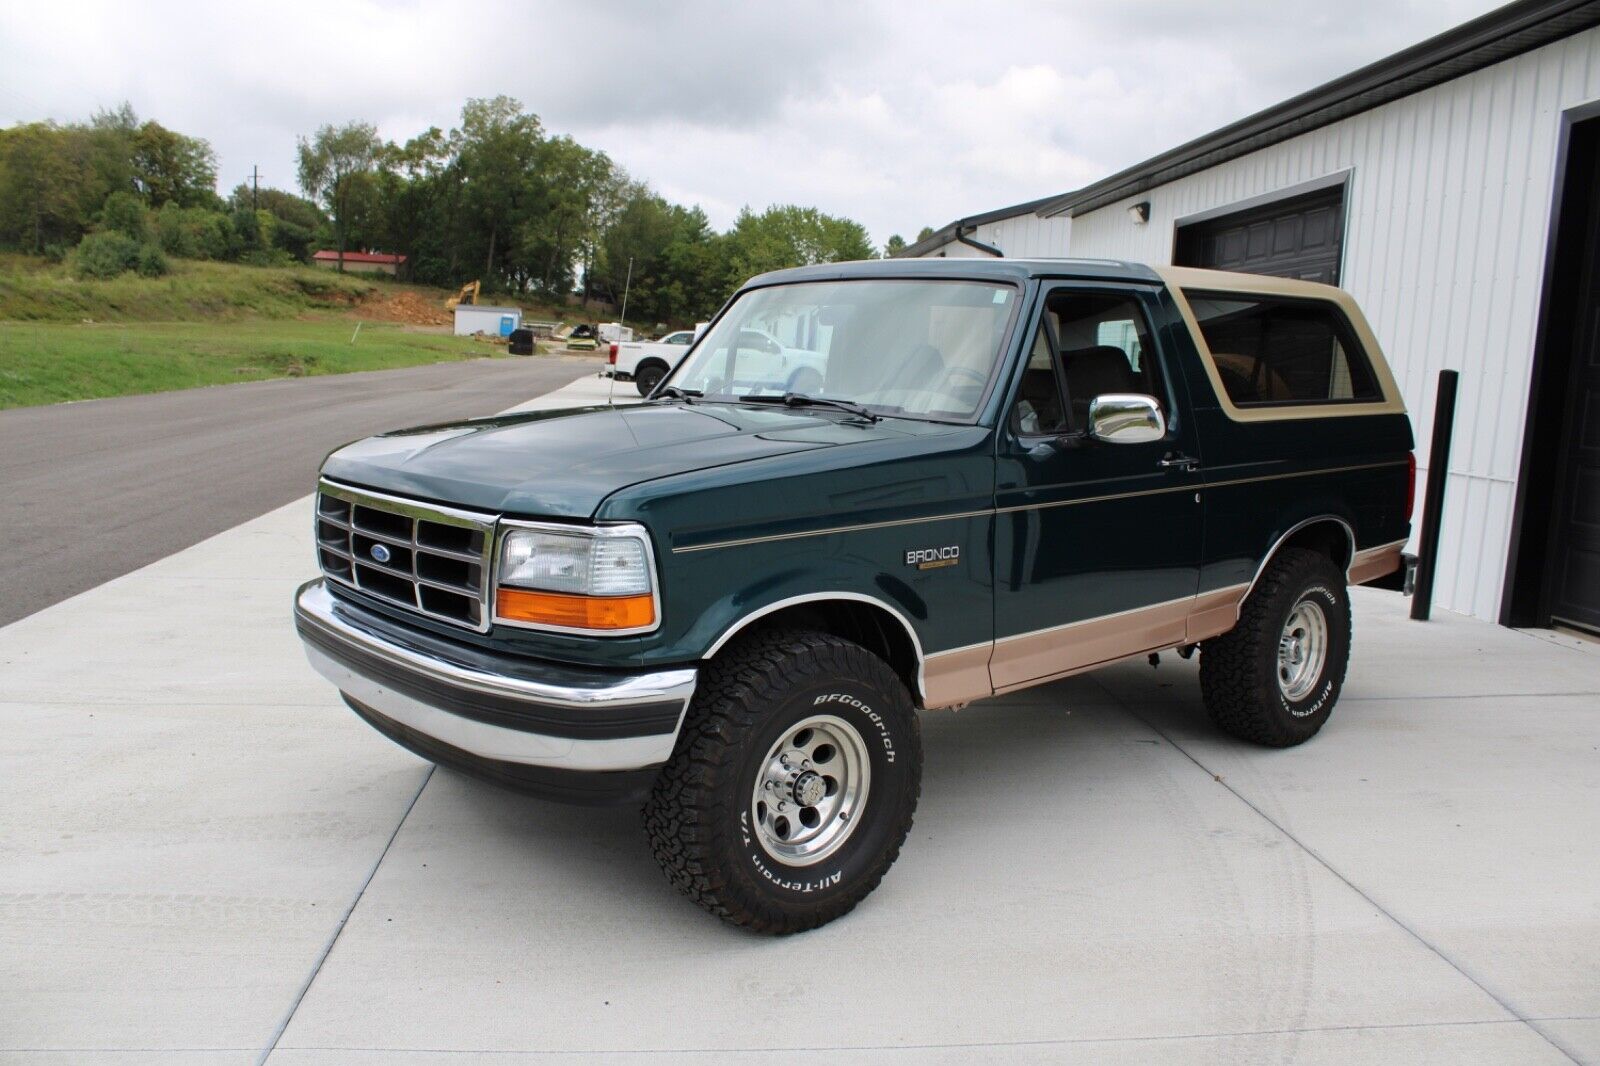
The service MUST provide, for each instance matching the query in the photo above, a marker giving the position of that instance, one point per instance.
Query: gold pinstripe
(744, 541)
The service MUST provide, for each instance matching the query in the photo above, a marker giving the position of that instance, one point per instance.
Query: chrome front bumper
(488, 712)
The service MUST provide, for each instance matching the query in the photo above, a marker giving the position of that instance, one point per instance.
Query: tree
(42, 184)
(332, 165)
(569, 187)
(894, 246)
(295, 220)
(924, 233)
(499, 146)
(788, 236)
(169, 167)
(110, 135)
(410, 185)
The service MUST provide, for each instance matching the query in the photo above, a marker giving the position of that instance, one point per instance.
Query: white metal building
(481, 318)
(1454, 189)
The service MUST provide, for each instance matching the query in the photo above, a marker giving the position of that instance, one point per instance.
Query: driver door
(1097, 544)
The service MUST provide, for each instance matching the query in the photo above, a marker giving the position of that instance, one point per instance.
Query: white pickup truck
(645, 363)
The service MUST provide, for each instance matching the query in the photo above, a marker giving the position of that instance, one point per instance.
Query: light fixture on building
(1140, 212)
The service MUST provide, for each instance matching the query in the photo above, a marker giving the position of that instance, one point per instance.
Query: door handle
(1180, 462)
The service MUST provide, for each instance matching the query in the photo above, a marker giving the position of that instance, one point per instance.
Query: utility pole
(622, 319)
(255, 186)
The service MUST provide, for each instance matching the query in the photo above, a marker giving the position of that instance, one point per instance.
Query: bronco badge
(934, 558)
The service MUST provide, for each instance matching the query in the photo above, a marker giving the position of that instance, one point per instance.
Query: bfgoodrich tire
(1275, 677)
(793, 784)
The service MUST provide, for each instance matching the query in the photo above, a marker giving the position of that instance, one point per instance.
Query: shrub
(126, 214)
(275, 257)
(151, 262)
(106, 254)
(194, 232)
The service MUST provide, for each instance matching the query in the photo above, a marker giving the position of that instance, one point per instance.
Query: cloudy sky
(899, 114)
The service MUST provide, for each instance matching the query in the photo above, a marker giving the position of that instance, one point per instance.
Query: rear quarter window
(1272, 351)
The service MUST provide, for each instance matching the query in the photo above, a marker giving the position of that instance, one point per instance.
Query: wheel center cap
(809, 788)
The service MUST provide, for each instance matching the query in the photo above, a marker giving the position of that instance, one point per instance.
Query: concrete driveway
(204, 857)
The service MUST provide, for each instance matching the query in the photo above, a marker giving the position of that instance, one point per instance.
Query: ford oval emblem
(381, 553)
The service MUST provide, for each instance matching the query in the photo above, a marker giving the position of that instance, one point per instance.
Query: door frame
(1132, 630)
(1524, 599)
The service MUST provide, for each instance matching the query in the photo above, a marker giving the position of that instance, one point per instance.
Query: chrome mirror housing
(1126, 418)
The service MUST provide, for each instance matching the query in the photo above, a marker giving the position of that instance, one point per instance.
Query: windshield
(921, 348)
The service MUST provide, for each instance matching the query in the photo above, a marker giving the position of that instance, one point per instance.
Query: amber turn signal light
(575, 612)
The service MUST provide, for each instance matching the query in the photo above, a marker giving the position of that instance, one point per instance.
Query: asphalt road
(92, 490)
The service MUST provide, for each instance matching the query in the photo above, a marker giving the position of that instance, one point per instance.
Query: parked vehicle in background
(759, 352)
(647, 362)
(583, 337)
(614, 332)
(730, 601)
(762, 356)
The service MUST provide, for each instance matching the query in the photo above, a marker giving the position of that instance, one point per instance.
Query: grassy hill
(63, 338)
(33, 290)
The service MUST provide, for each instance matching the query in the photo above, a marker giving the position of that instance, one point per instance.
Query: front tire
(647, 377)
(793, 784)
(1275, 677)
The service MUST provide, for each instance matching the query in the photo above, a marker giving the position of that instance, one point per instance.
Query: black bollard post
(1444, 417)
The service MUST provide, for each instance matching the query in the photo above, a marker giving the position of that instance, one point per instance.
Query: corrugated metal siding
(1019, 237)
(1448, 208)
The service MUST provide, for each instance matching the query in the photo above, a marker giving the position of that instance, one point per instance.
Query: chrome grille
(429, 559)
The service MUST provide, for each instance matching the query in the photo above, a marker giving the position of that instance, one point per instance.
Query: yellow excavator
(467, 295)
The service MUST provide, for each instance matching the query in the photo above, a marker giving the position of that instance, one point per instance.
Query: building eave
(1492, 38)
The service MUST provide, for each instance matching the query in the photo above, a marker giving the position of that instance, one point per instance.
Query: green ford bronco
(945, 480)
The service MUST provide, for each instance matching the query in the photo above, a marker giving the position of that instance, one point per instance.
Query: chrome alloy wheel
(1302, 650)
(811, 790)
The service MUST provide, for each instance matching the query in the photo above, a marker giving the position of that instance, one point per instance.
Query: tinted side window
(1272, 352)
(1088, 344)
(1104, 348)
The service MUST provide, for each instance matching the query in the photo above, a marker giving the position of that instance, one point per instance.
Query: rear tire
(647, 377)
(1275, 677)
(776, 700)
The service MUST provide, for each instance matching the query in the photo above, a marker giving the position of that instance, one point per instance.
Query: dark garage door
(1554, 570)
(1297, 238)
(1575, 563)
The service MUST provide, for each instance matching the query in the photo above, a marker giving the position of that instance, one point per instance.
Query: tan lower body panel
(1370, 564)
(1017, 662)
(1215, 612)
(958, 676)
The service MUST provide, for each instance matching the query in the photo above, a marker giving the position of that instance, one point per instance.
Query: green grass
(33, 290)
(67, 338)
(49, 362)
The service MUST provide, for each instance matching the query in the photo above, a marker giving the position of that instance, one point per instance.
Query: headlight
(576, 579)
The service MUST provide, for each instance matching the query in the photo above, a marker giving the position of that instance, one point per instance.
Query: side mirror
(1126, 418)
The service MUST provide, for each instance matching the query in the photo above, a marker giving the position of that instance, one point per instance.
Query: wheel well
(874, 628)
(650, 361)
(1328, 536)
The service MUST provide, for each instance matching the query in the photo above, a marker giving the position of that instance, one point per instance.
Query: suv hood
(565, 463)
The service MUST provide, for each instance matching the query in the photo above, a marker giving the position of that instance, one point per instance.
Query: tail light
(1411, 484)
(612, 358)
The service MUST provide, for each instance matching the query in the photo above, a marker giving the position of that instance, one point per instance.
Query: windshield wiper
(800, 399)
(672, 392)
